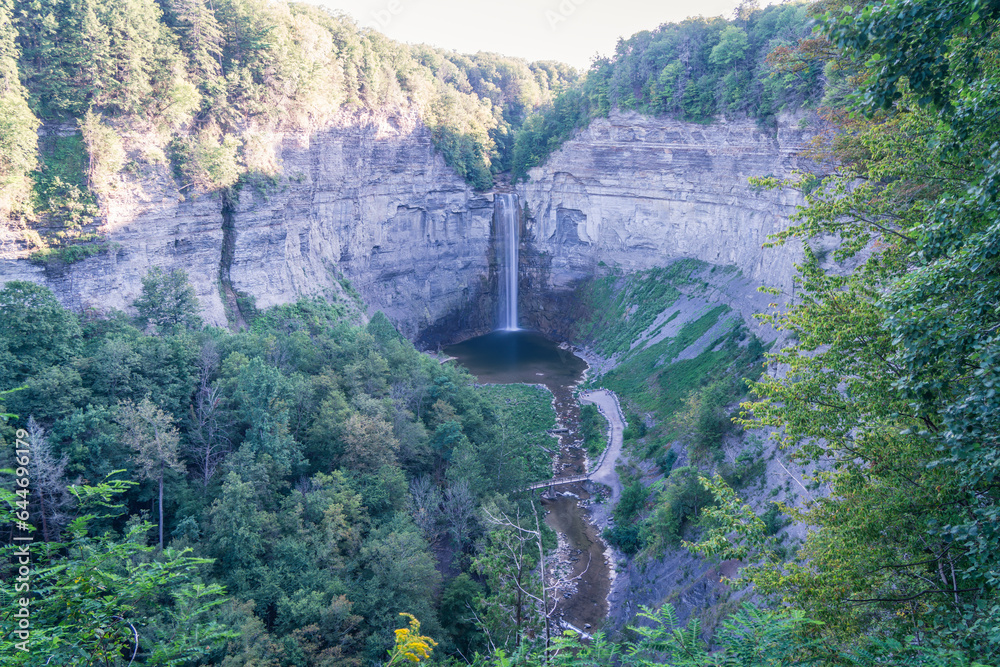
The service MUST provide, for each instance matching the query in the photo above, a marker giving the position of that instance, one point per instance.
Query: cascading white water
(507, 219)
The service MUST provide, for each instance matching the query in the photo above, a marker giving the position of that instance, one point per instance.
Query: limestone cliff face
(366, 199)
(635, 191)
(369, 200)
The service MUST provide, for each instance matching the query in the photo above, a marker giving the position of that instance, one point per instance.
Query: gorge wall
(634, 191)
(369, 200)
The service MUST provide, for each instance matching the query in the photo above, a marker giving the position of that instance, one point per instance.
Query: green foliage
(18, 140)
(206, 161)
(625, 538)
(751, 637)
(680, 498)
(749, 467)
(892, 379)
(70, 254)
(458, 613)
(665, 461)
(168, 302)
(620, 309)
(242, 68)
(105, 152)
(678, 70)
(35, 331)
(732, 46)
(632, 501)
(653, 385)
(521, 450)
(60, 182)
(704, 421)
(288, 453)
(107, 597)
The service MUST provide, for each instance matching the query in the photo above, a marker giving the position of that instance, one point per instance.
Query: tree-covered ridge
(282, 493)
(891, 385)
(694, 70)
(214, 78)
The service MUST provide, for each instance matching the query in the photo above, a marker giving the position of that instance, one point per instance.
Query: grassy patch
(594, 429)
(60, 182)
(68, 254)
(687, 398)
(639, 376)
(622, 307)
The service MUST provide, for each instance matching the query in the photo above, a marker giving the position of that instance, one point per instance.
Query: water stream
(529, 357)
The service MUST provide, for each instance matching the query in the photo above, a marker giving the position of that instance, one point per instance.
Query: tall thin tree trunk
(45, 525)
(541, 565)
(161, 507)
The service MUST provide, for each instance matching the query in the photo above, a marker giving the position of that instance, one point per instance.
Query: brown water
(506, 357)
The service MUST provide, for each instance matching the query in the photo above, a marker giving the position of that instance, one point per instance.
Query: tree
(732, 46)
(209, 434)
(369, 443)
(425, 506)
(94, 593)
(48, 482)
(521, 602)
(396, 572)
(153, 437)
(201, 38)
(168, 302)
(459, 512)
(35, 330)
(892, 381)
(18, 125)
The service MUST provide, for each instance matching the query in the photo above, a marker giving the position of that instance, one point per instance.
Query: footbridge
(556, 482)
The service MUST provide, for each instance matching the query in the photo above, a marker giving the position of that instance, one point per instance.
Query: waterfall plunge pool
(519, 356)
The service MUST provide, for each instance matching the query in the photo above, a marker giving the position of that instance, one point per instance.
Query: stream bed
(509, 357)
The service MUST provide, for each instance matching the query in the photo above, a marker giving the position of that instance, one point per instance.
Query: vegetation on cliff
(888, 388)
(203, 86)
(892, 383)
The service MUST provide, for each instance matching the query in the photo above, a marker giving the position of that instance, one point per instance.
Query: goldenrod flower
(410, 644)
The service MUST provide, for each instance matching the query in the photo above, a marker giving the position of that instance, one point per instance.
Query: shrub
(625, 538)
(167, 302)
(681, 498)
(633, 498)
(593, 428)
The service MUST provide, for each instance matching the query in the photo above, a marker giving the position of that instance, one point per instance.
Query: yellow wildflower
(410, 644)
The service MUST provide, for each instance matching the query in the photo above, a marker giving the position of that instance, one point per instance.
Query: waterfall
(507, 219)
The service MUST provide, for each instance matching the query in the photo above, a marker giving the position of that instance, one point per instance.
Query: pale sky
(571, 31)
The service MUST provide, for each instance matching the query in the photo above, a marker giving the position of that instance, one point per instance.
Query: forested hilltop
(271, 497)
(696, 70)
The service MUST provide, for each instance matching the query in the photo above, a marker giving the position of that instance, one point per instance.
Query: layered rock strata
(367, 200)
(634, 192)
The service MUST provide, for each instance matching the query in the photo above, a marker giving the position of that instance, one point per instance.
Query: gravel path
(605, 473)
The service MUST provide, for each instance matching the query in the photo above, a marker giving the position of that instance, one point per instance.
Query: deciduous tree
(153, 437)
